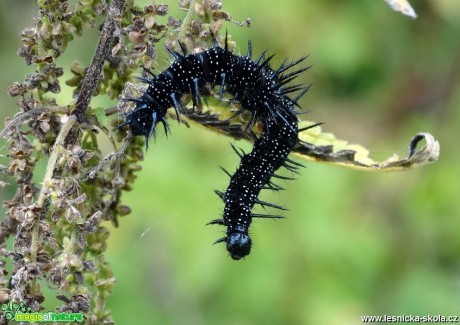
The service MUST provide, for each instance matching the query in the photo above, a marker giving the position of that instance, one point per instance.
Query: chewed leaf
(325, 147)
(316, 145)
(402, 6)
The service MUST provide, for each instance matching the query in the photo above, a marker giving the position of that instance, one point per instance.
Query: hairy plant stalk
(47, 179)
(93, 73)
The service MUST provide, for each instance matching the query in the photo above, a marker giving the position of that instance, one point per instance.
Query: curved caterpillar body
(261, 91)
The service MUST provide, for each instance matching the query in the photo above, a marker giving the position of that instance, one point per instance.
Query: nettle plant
(53, 232)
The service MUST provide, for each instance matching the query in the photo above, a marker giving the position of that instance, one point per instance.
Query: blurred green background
(355, 243)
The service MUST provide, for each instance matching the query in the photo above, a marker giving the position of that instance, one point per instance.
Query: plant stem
(50, 168)
(89, 84)
(186, 22)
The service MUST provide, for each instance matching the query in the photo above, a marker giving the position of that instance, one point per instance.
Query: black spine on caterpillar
(260, 90)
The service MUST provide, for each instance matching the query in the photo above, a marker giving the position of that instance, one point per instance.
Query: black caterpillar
(260, 90)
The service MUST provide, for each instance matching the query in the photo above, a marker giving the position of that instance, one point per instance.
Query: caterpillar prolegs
(260, 90)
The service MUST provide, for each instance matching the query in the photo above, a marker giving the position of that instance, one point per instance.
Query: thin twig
(110, 156)
(5, 170)
(19, 119)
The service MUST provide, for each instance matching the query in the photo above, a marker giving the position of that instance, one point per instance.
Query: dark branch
(93, 74)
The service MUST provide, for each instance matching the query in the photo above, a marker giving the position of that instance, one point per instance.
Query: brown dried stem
(93, 74)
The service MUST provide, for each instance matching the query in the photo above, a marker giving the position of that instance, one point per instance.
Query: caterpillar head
(143, 120)
(238, 245)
